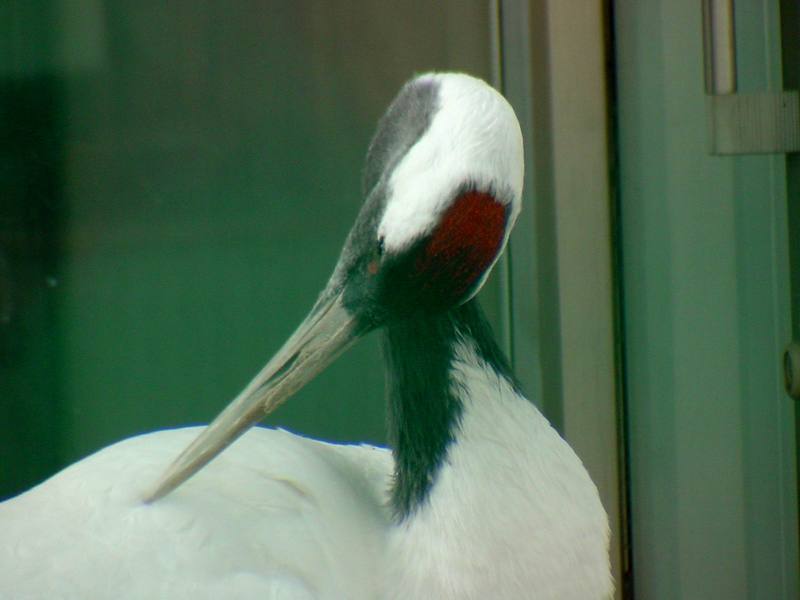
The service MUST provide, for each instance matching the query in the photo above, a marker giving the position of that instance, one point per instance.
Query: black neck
(424, 407)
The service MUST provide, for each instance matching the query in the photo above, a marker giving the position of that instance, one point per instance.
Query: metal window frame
(558, 282)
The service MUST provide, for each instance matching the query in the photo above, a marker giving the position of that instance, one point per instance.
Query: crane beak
(325, 333)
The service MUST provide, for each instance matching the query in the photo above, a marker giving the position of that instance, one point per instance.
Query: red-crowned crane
(479, 497)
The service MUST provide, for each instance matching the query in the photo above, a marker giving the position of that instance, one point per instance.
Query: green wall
(194, 170)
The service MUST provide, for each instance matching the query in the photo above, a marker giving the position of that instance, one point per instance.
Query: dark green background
(176, 180)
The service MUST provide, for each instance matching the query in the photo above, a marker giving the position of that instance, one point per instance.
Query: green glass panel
(177, 181)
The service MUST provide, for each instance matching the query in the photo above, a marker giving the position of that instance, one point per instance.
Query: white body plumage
(514, 515)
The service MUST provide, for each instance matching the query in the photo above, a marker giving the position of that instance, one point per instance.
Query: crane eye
(374, 265)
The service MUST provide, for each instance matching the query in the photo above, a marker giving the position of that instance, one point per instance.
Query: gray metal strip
(756, 123)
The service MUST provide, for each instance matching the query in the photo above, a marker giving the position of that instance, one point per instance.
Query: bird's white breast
(513, 513)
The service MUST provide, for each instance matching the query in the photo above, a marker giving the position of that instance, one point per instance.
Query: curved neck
(425, 404)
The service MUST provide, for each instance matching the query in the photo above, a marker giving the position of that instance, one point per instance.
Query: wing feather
(275, 516)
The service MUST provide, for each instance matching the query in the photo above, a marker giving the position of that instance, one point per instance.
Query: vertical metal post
(719, 47)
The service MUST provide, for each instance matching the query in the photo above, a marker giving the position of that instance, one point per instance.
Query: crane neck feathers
(426, 399)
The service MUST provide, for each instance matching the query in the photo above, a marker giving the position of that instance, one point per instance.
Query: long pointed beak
(324, 334)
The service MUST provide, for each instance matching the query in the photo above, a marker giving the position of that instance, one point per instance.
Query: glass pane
(706, 277)
(176, 182)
